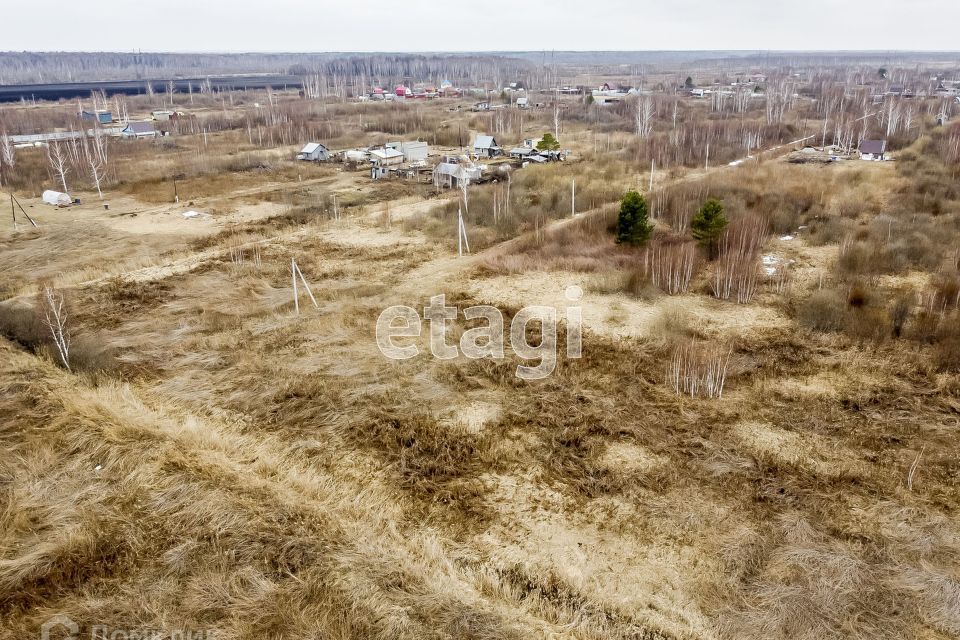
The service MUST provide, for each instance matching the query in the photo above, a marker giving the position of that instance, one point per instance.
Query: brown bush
(21, 324)
(946, 352)
(825, 310)
(868, 323)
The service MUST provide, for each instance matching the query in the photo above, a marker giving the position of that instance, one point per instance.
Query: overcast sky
(478, 25)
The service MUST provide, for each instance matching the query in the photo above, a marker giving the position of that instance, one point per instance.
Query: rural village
(759, 255)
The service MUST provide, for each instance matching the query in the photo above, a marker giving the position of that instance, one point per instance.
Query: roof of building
(448, 168)
(875, 147)
(386, 153)
(485, 142)
(310, 147)
(522, 151)
(140, 127)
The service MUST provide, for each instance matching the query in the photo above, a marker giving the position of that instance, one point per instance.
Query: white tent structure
(57, 199)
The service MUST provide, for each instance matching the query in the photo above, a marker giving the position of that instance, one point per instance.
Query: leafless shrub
(781, 280)
(946, 292)
(737, 274)
(670, 265)
(699, 370)
(900, 312)
(735, 277)
(237, 253)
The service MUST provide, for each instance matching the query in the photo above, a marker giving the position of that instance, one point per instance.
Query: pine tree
(548, 143)
(708, 224)
(633, 225)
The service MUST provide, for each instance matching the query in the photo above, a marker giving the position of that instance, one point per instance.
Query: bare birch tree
(55, 319)
(59, 163)
(556, 114)
(7, 155)
(95, 158)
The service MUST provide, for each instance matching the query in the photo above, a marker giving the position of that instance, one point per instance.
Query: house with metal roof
(315, 152)
(873, 150)
(386, 156)
(486, 147)
(412, 151)
(140, 130)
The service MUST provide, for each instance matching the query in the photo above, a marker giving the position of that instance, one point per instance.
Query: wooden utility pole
(461, 234)
(14, 201)
(295, 272)
(573, 198)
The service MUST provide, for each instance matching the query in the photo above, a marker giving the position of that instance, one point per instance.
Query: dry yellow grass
(242, 469)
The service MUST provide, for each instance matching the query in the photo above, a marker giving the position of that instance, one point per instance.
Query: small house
(139, 130)
(522, 103)
(315, 152)
(873, 150)
(447, 174)
(412, 151)
(521, 152)
(486, 147)
(386, 157)
(163, 115)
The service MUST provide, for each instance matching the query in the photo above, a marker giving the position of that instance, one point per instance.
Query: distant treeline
(49, 67)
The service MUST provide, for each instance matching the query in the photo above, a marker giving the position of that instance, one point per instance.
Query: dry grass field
(214, 461)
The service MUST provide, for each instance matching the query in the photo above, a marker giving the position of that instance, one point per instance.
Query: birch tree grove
(59, 163)
(644, 116)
